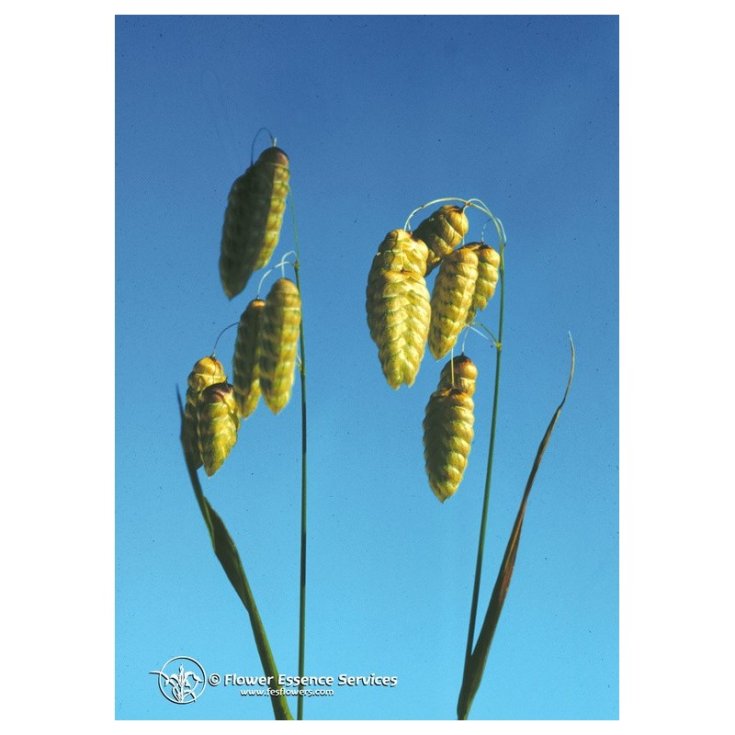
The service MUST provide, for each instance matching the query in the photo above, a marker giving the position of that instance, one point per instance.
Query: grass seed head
(448, 426)
(217, 425)
(253, 218)
(442, 231)
(448, 434)
(245, 379)
(487, 277)
(278, 343)
(452, 299)
(398, 306)
(205, 372)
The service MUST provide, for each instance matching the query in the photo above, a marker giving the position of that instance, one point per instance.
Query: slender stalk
(429, 204)
(255, 137)
(226, 551)
(216, 342)
(302, 575)
(488, 473)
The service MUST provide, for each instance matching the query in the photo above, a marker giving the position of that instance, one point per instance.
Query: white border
(676, 368)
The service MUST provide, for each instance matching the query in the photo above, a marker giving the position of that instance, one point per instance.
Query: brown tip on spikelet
(274, 155)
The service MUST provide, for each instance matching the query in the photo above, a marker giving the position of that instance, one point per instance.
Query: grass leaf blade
(226, 551)
(474, 671)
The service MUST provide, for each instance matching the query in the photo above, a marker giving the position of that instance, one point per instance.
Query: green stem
(228, 556)
(488, 473)
(302, 575)
(302, 579)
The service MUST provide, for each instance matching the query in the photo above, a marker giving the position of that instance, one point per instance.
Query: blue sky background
(378, 115)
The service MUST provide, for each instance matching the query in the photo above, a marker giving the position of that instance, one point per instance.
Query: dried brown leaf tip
(253, 219)
(205, 372)
(398, 306)
(442, 231)
(217, 425)
(448, 428)
(278, 343)
(245, 378)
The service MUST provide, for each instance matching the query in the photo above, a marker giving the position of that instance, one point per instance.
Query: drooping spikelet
(205, 372)
(460, 373)
(452, 299)
(398, 306)
(253, 219)
(217, 425)
(487, 277)
(245, 362)
(448, 433)
(442, 231)
(278, 343)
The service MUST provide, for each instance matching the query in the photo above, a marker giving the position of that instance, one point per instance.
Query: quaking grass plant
(268, 348)
(401, 318)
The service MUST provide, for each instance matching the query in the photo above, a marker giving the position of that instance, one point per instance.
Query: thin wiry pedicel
(448, 430)
(452, 299)
(205, 372)
(245, 377)
(253, 218)
(442, 231)
(217, 425)
(278, 344)
(398, 306)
